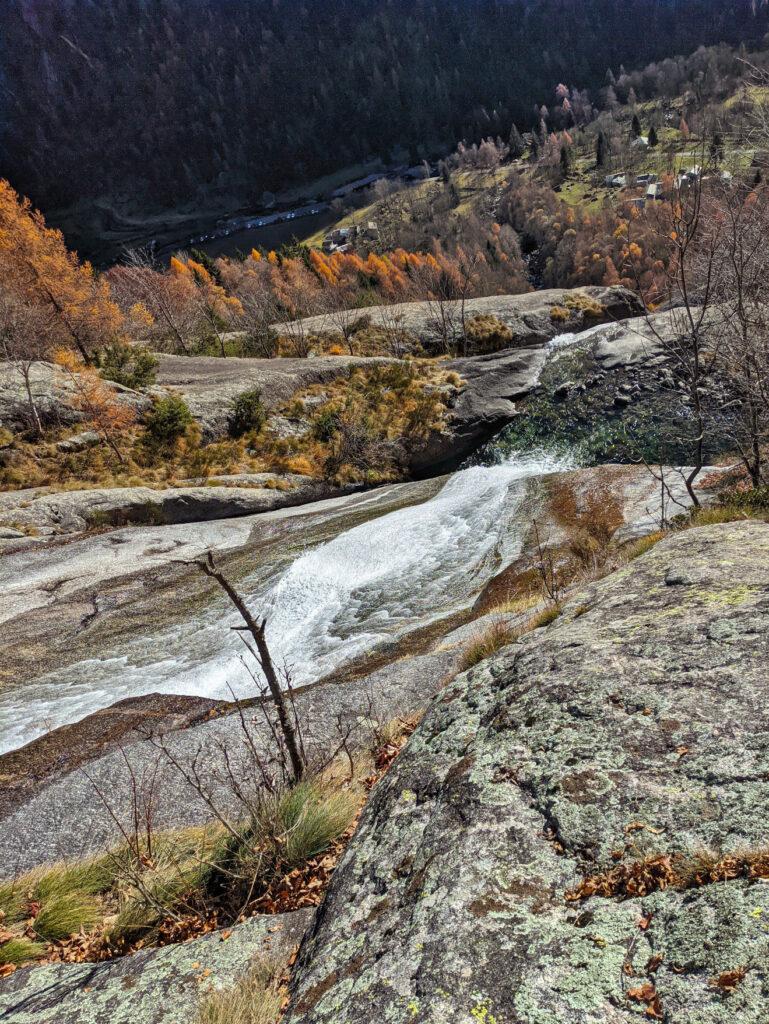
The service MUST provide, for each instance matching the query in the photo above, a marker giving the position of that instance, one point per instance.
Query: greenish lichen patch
(634, 729)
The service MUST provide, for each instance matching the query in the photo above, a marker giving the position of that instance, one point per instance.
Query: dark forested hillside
(156, 99)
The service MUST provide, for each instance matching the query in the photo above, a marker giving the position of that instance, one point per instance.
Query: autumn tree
(41, 274)
(251, 283)
(25, 338)
(162, 305)
(217, 310)
(98, 402)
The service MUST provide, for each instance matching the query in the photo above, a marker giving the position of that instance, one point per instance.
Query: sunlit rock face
(635, 724)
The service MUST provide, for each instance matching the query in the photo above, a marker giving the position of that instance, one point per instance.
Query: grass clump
(53, 903)
(634, 549)
(500, 634)
(164, 887)
(12, 902)
(584, 304)
(285, 832)
(18, 951)
(154, 884)
(255, 998)
(492, 639)
(212, 869)
(303, 822)
(559, 314)
(487, 333)
(543, 618)
(66, 913)
(90, 877)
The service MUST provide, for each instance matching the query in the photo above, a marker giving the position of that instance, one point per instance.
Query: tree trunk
(256, 630)
(25, 370)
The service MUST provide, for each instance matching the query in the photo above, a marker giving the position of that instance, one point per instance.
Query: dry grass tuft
(18, 951)
(500, 634)
(492, 639)
(172, 886)
(634, 549)
(256, 998)
(542, 618)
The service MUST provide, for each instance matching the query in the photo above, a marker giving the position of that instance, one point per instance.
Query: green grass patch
(20, 951)
(66, 913)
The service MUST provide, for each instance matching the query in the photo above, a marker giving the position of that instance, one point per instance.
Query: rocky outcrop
(54, 394)
(208, 385)
(153, 986)
(636, 724)
(528, 316)
(604, 369)
(483, 406)
(44, 514)
(611, 395)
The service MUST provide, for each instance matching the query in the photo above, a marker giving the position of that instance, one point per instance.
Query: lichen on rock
(636, 725)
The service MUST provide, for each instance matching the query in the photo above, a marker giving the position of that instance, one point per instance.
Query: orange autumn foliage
(37, 268)
(96, 400)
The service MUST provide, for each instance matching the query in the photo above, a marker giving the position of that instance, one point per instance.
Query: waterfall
(370, 583)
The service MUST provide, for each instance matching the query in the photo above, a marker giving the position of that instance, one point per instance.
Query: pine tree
(516, 143)
(601, 150)
(653, 138)
(635, 127)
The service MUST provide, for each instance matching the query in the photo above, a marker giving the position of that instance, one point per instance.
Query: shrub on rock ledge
(248, 414)
(168, 420)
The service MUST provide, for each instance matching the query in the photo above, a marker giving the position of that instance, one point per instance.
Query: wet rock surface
(153, 986)
(42, 789)
(637, 723)
(60, 815)
(610, 395)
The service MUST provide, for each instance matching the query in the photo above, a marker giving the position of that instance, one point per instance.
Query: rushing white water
(369, 583)
(562, 341)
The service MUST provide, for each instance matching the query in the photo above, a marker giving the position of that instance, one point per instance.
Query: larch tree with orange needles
(38, 271)
(97, 401)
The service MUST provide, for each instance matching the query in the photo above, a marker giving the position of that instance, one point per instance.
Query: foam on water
(562, 341)
(367, 584)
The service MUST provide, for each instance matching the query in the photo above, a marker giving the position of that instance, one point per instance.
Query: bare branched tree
(24, 340)
(261, 652)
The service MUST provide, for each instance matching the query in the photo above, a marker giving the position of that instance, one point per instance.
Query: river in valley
(329, 597)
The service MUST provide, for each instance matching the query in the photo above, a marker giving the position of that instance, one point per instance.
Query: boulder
(482, 407)
(636, 724)
(153, 986)
(79, 442)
